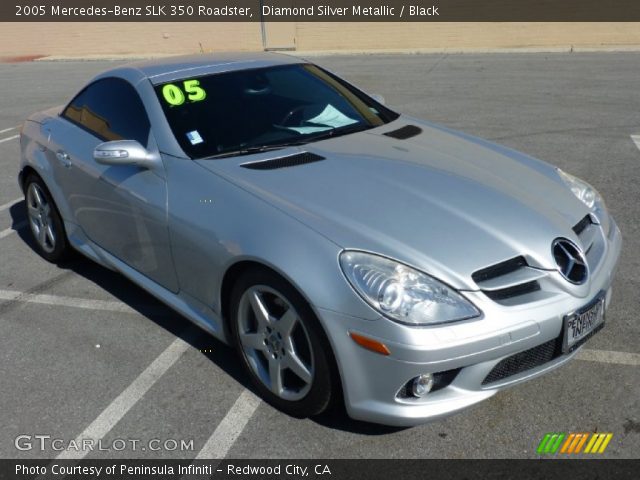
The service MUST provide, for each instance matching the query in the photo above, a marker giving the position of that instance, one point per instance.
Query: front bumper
(372, 382)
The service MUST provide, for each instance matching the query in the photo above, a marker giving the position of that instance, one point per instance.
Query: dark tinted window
(110, 109)
(240, 111)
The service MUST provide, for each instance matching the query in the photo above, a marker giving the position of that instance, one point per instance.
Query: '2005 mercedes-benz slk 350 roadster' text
(345, 250)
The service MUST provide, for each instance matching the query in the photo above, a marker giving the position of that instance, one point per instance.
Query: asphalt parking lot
(85, 353)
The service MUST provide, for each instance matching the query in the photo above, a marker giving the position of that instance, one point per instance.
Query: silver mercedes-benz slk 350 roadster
(345, 250)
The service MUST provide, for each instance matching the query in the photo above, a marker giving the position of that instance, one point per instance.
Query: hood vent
(284, 162)
(405, 132)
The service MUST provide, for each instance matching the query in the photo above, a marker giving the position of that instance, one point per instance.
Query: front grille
(283, 162)
(508, 280)
(592, 240)
(580, 227)
(405, 132)
(523, 361)
(499, 269)
(515, 291)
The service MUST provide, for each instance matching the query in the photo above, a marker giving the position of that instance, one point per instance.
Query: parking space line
(230, 428)
(117, 409)
(56, 300)
(608, 356)
(12, 229)
(5, 130)
(10, 204)
(636, 140)
(9, 138)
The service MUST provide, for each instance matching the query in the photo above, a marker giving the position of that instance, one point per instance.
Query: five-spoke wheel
(275, 342)
(281, 344)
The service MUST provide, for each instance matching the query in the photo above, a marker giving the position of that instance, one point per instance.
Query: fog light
(422, 385)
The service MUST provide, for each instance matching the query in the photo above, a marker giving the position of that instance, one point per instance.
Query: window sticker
(175, 96)
(194, 137)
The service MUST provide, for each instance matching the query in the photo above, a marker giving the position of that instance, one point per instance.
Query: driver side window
(110, 109)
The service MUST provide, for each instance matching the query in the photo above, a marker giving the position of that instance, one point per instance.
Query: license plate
(582, 324)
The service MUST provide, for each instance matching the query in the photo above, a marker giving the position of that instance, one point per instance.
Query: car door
(123, 208)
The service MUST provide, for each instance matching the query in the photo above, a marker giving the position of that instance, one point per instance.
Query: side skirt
(194, 310)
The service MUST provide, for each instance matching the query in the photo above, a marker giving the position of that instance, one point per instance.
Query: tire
(285, 341)
(45, 222)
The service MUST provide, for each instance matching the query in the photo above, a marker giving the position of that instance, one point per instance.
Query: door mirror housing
(378, 98)
(125, 152)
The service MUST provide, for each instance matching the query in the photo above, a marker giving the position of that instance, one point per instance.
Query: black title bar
(319, 469)
(320, 11)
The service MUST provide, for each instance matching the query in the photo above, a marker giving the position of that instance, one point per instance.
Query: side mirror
(124, 152)
(378, 98)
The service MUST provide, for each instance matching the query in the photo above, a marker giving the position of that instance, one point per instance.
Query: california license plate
(583, 323)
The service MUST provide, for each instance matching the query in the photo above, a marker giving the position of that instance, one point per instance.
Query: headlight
(590, 197)
(581, 189)
(403, 293)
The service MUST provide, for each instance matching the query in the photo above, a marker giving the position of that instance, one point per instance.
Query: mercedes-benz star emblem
(570, 260)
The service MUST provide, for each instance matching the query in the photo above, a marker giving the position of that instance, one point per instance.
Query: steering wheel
(287, 118)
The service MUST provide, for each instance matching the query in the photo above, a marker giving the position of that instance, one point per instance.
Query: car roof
(167, 69)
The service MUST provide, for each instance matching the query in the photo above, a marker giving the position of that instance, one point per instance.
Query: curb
(413, 51)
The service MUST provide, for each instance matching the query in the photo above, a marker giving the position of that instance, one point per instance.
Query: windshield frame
(384, 114)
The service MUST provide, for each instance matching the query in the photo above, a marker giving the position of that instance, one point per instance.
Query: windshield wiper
(247, 151)
(337, 132)
(334, 132)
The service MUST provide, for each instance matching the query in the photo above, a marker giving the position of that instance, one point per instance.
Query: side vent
(405, 132)
(284, 162)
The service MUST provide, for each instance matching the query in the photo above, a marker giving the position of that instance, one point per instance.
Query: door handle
(64, 158)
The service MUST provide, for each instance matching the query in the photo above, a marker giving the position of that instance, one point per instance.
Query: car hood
(444, 202)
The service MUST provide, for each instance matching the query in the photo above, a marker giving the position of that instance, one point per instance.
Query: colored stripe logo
(573, 443)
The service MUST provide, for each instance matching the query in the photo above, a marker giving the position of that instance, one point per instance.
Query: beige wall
(462, 36)
(79, 39)
(95, 39)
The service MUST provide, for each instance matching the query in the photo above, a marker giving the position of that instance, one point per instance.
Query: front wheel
(281, 344)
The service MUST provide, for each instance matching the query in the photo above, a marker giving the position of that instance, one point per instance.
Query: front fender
(214, 224)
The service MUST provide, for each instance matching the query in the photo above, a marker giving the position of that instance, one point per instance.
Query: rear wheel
(45, 222)
(281, 344)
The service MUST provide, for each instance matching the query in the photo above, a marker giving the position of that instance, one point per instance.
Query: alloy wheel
(275, 342)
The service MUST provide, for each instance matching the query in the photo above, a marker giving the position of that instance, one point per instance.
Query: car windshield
(247, 111)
